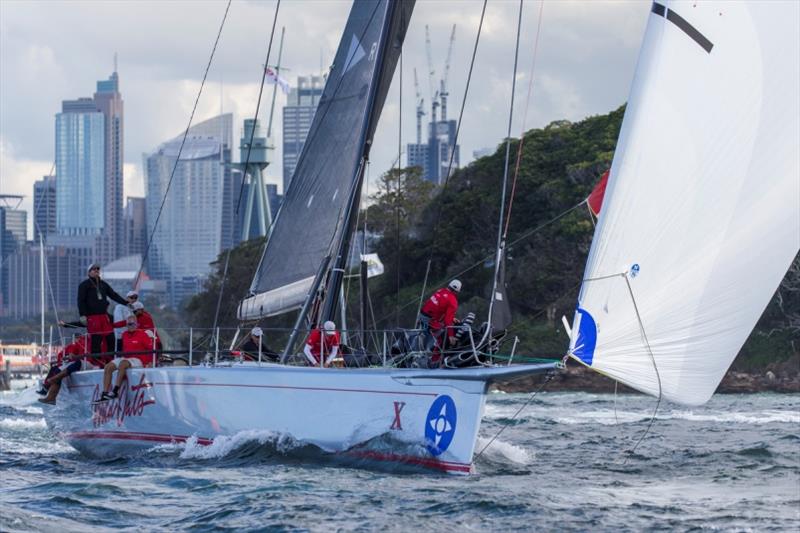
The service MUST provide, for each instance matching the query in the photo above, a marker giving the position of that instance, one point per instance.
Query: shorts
(134, 361)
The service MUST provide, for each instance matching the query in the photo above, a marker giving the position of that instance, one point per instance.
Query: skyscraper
(188, 236)
(13, 234)
(135, 226)
(434, 156)
(109, 102)
(44, 207)
(297, 117)
(89, 156)
(80, 163)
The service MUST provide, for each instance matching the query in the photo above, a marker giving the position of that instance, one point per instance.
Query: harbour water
(733, 464)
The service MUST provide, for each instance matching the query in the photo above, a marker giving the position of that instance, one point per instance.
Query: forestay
(702, 213)
(327, 171)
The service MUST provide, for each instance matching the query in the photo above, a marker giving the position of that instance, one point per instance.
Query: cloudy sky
(51, 51)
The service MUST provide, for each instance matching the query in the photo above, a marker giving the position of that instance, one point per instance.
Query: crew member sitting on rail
(94, 361)
(69, 360)
(144, 320)
(322, 347)
(250, 348)
(121, 312)
(437, 316)
(93, 294)
(138, 344)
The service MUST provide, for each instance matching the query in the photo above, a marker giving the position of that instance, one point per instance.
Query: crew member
(322, 346)
(136, 347)
(69, 360)
(121, 312)
(438, 314)
(250, 348)
(93, 294)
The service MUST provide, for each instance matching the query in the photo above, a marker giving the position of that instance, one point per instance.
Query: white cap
(132, 293)
(330, 327)
(91, 266)
(257, 331)
(455, 285)
(137, 305)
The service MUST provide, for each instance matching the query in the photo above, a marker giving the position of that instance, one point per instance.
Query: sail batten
(701, 215)
(309, 221)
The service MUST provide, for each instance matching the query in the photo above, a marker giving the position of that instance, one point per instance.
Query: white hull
(435, 413)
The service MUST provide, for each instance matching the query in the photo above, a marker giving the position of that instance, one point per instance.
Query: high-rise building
(297, 117)
(89, 156)
(108, 100)
(13, 234)
(135, 225)
(188, 236)
(63, 273)
(434, 156)
(80, 164)
(44, 207)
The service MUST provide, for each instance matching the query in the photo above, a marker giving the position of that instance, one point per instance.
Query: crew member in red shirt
(322, 346)
(437, 316)
(144, 320)
(68, 361)
(138, 344)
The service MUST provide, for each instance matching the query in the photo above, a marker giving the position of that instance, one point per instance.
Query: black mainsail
(330, 172)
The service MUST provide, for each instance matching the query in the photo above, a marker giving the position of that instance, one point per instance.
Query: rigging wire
(548, 377)
(500, 233)
(180, 150)
(452, 152)
(246, 164)
(512, 243)
(655, 367)
(524, 120)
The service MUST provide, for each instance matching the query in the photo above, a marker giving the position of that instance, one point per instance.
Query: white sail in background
(701, 218)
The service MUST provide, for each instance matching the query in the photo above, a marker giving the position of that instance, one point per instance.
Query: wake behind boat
(661, 309)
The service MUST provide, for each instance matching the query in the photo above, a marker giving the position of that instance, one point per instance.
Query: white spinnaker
(701, 218)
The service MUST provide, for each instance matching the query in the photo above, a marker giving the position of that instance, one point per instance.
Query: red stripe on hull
(444, 466)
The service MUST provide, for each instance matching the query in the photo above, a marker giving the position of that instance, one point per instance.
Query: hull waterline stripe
(683, 25)
(127, 435)
(445, 466)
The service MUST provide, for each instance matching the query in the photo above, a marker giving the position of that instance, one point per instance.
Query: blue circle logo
(635, 270)
(440, 424)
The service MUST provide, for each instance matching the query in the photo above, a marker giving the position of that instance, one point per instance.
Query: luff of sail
(309, 218)
(702, 213)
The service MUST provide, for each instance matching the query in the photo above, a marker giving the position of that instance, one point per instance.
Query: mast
(353, 201)
(41, 272)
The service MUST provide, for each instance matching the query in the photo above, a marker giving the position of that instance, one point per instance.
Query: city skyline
(587, 52)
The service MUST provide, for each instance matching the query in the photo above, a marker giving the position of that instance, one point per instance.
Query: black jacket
(252, 349)
(93, 297)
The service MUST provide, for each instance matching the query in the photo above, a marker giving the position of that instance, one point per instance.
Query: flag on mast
(273, 78)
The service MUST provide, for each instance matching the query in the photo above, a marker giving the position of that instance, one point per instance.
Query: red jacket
(138, 341)
(315, 342)
(441, 307)
(144, 320)
(80, 346)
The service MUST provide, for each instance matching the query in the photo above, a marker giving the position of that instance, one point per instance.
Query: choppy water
(733, 464)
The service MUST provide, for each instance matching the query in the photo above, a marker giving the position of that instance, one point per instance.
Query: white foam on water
(506, 450)
(19, 398)
(224, 444)
(607, 417)
(22, 423)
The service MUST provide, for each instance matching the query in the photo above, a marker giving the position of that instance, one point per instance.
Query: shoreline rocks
(783, 377)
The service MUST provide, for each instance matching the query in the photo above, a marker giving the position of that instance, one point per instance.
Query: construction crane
(443, 90)
(420, 110)
(431, 75)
